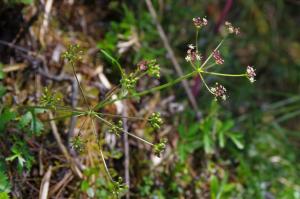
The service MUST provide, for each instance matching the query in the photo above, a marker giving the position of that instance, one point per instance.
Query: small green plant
(18, 154)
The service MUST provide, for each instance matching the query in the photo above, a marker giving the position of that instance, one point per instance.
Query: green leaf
(30, 119)
(113, 61)
(214, 186)
(4, 195)
(1, 72)
(84, 185)
(20, 152)
(221, 139)
(4, 183)
(235, 138)
(207, 143)
(5, 117)
(2, 91)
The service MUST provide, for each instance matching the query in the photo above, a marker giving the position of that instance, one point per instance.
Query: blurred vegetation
(246, 147)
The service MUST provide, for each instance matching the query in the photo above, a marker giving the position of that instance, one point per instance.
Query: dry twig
(45, 184)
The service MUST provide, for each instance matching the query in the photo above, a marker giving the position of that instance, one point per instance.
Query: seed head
(160, 147)
(153, 68)
(155, 120)
(200, 22)
(129, 82)
(251, 73)
(73, 54)
(77, 143)
(49, 98)
(217, 57)
(219, 91)
(118, 187)
(116, 128)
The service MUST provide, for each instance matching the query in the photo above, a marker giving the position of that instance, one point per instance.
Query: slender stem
(106, 99)
(63, 117)
(82, 125)
(222, 74)
(164, 85)
(139, 138)
(132, 135)
(148, 91)
(210, 66)
(211, 54)
(197, 34)
(74, 110)
(101, 153)
(81, 90)
(50, 108)
(120, 116)
(205, 84)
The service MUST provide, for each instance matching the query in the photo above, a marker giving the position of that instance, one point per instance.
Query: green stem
(81, 90)
(225, 75)
(211, 54)
(197, 33)
(205, 83)
(120, 116)
(101, 153)
(210, 66)
(164, 85)
(132, 135)
(63, 117)
(100, 105)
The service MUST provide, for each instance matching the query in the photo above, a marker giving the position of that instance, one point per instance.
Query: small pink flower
(218, 58)
(143, 65)
(232, 29)
(199, 22)
(251, 73)
(192, 54)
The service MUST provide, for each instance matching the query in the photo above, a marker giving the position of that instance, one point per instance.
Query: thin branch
(132, 135)
(100, 149)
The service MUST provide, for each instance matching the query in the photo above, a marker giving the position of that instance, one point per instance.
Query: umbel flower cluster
(201, 67)
(127, 89)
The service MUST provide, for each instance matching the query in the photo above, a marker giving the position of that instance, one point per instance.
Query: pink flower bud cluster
(251, 73)
(232, 29)
(219, 91)
(200, 22)
(217, 57)
(192, 54)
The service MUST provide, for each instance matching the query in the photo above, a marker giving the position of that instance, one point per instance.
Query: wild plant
(127, 89)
